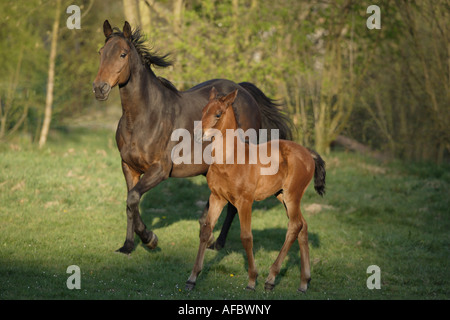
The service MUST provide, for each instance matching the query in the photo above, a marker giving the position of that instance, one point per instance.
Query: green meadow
(65, 205)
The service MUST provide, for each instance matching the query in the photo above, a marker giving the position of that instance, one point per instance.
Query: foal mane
(148, 58)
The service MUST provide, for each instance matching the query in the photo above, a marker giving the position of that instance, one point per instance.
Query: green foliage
(386, 88)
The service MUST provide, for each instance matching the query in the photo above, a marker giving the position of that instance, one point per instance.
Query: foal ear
(107, 30)
(213, 93)
(229, 99)
(127, 30)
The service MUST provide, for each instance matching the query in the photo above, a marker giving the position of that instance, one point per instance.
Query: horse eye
(218, 115)
(123, 55)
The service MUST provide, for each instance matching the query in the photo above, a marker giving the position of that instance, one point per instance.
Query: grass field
(65, 205)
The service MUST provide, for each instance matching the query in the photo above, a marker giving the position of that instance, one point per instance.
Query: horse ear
(213, 93)
(127, 30)
(229, 99)
(107, 30)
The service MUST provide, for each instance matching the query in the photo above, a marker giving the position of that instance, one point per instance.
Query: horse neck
(143, 93)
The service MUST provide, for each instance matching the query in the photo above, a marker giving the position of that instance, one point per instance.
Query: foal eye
(123, 55)
(218, 115)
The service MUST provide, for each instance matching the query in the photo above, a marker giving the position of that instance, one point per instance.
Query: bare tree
(131, 12)
(51, 78)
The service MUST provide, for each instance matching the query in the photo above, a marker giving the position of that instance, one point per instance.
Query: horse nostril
(105, 87)
(101, 90)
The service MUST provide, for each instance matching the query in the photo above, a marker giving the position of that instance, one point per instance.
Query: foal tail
(319, 173)
(271, 115)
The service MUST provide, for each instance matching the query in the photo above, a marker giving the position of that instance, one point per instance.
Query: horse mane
(148, 58)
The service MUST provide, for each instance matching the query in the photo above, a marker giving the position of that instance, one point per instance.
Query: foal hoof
(304, 288)
(153, 243)
(269, 286)
(250, 288)
(190, 285)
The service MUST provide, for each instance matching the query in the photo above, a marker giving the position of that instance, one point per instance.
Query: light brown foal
(242, 184)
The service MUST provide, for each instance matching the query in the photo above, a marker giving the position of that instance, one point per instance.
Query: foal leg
(294, 227)
(245, 216)
(202, 221)
(216, 205)
(305, 272)
(220, 242)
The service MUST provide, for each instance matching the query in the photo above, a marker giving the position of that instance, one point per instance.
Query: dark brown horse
(152, 109)
(243, 181)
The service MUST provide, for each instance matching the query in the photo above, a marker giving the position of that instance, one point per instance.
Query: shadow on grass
(270, 239)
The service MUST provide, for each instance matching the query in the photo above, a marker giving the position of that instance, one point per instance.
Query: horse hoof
(123, 251)
(215, 246)
(250, 288)
(190, 285)
(304, 288)
(153, 243)
(127, 248)
(269, 286)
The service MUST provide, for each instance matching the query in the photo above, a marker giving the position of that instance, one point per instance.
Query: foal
(242, 184)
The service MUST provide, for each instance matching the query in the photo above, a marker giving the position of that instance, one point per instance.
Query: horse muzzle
(101, 90)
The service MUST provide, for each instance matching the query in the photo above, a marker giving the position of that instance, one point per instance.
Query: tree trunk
(51, 78)
(131, 12)
(145, 15)
(177, 15)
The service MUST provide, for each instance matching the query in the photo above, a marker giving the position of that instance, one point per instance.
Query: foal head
(217, 114)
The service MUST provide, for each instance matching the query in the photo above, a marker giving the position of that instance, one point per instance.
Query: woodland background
(382, 92)
(387, 89)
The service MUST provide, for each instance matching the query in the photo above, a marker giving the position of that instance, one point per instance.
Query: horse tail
(319, 173)
(271, 114)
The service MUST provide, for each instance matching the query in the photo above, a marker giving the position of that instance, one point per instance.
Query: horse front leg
(131, 178)
(151, 178)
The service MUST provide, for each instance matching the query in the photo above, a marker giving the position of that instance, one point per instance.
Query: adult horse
(152, 109)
